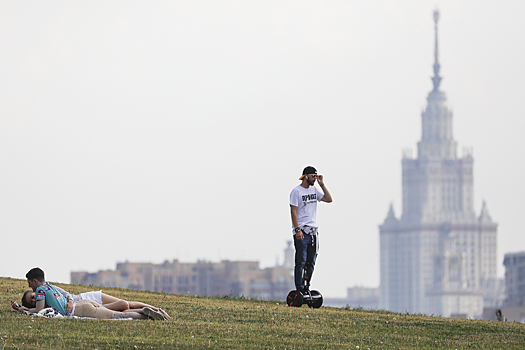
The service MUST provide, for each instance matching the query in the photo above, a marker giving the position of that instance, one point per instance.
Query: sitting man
(46, 295)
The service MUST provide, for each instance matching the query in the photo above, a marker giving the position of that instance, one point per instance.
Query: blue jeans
(305, 255)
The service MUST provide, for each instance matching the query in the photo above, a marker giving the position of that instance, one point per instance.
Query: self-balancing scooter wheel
(294, 298)
(316, 299)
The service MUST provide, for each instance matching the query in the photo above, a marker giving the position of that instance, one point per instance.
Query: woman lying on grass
(108, 301)
(47, 296)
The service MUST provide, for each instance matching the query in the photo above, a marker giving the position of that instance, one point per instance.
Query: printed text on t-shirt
(308, 197)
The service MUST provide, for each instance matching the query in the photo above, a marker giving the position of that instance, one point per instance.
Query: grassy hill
(219, 323)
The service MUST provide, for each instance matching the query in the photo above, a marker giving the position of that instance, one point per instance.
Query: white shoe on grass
(156, 315)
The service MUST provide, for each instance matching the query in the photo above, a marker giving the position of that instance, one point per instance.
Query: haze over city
(158, 131)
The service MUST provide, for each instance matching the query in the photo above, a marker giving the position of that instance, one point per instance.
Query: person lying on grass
(48, 296)
(108, 301)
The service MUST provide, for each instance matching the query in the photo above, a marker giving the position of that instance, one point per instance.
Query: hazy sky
(160, 130)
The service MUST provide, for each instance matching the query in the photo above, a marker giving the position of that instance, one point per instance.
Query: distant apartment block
(357, 297)
(236, 278)
(513, 309)
(515, 279)
(367, 298)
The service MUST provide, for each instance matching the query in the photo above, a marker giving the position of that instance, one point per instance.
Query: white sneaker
(155, 315)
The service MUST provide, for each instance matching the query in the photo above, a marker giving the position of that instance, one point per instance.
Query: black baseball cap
(307, 171)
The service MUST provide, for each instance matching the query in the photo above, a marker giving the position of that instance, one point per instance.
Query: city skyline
(152, 132)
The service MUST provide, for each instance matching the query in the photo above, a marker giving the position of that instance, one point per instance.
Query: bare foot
(165, 314)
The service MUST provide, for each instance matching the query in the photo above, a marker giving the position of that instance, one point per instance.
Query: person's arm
(69, 297)
(40, 296)
(327, 196)
(33, 310)
(40, 304)
(295, 222)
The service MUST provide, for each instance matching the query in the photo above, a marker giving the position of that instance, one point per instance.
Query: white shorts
(95, 296)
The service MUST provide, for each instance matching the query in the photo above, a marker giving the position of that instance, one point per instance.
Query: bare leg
(120, 305)
(90, 308)
(116, 304)
(129, 314)
(137, 305)
(158, 309)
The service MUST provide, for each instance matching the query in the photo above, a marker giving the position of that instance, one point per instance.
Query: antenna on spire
(436, 79)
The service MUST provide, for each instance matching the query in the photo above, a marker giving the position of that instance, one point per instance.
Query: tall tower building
(439, 257)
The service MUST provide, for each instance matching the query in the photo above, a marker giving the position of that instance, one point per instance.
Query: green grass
(226, 323)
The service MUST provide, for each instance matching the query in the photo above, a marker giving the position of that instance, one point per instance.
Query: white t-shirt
(305, 199)
(95, 296)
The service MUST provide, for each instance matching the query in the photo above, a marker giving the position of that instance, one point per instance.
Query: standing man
(303, 207)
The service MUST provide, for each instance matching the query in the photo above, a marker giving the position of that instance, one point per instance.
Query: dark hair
(24, 300)
(36, 273)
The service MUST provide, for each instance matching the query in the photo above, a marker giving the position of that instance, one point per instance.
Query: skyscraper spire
(436, 79)
(437, 141)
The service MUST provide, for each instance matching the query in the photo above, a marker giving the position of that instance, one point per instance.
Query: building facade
(438, 257)
(356, 297)
(513, 309)
(236, 278)
(515, 279)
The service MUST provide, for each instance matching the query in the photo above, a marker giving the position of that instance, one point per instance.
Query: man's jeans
(305, 254)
